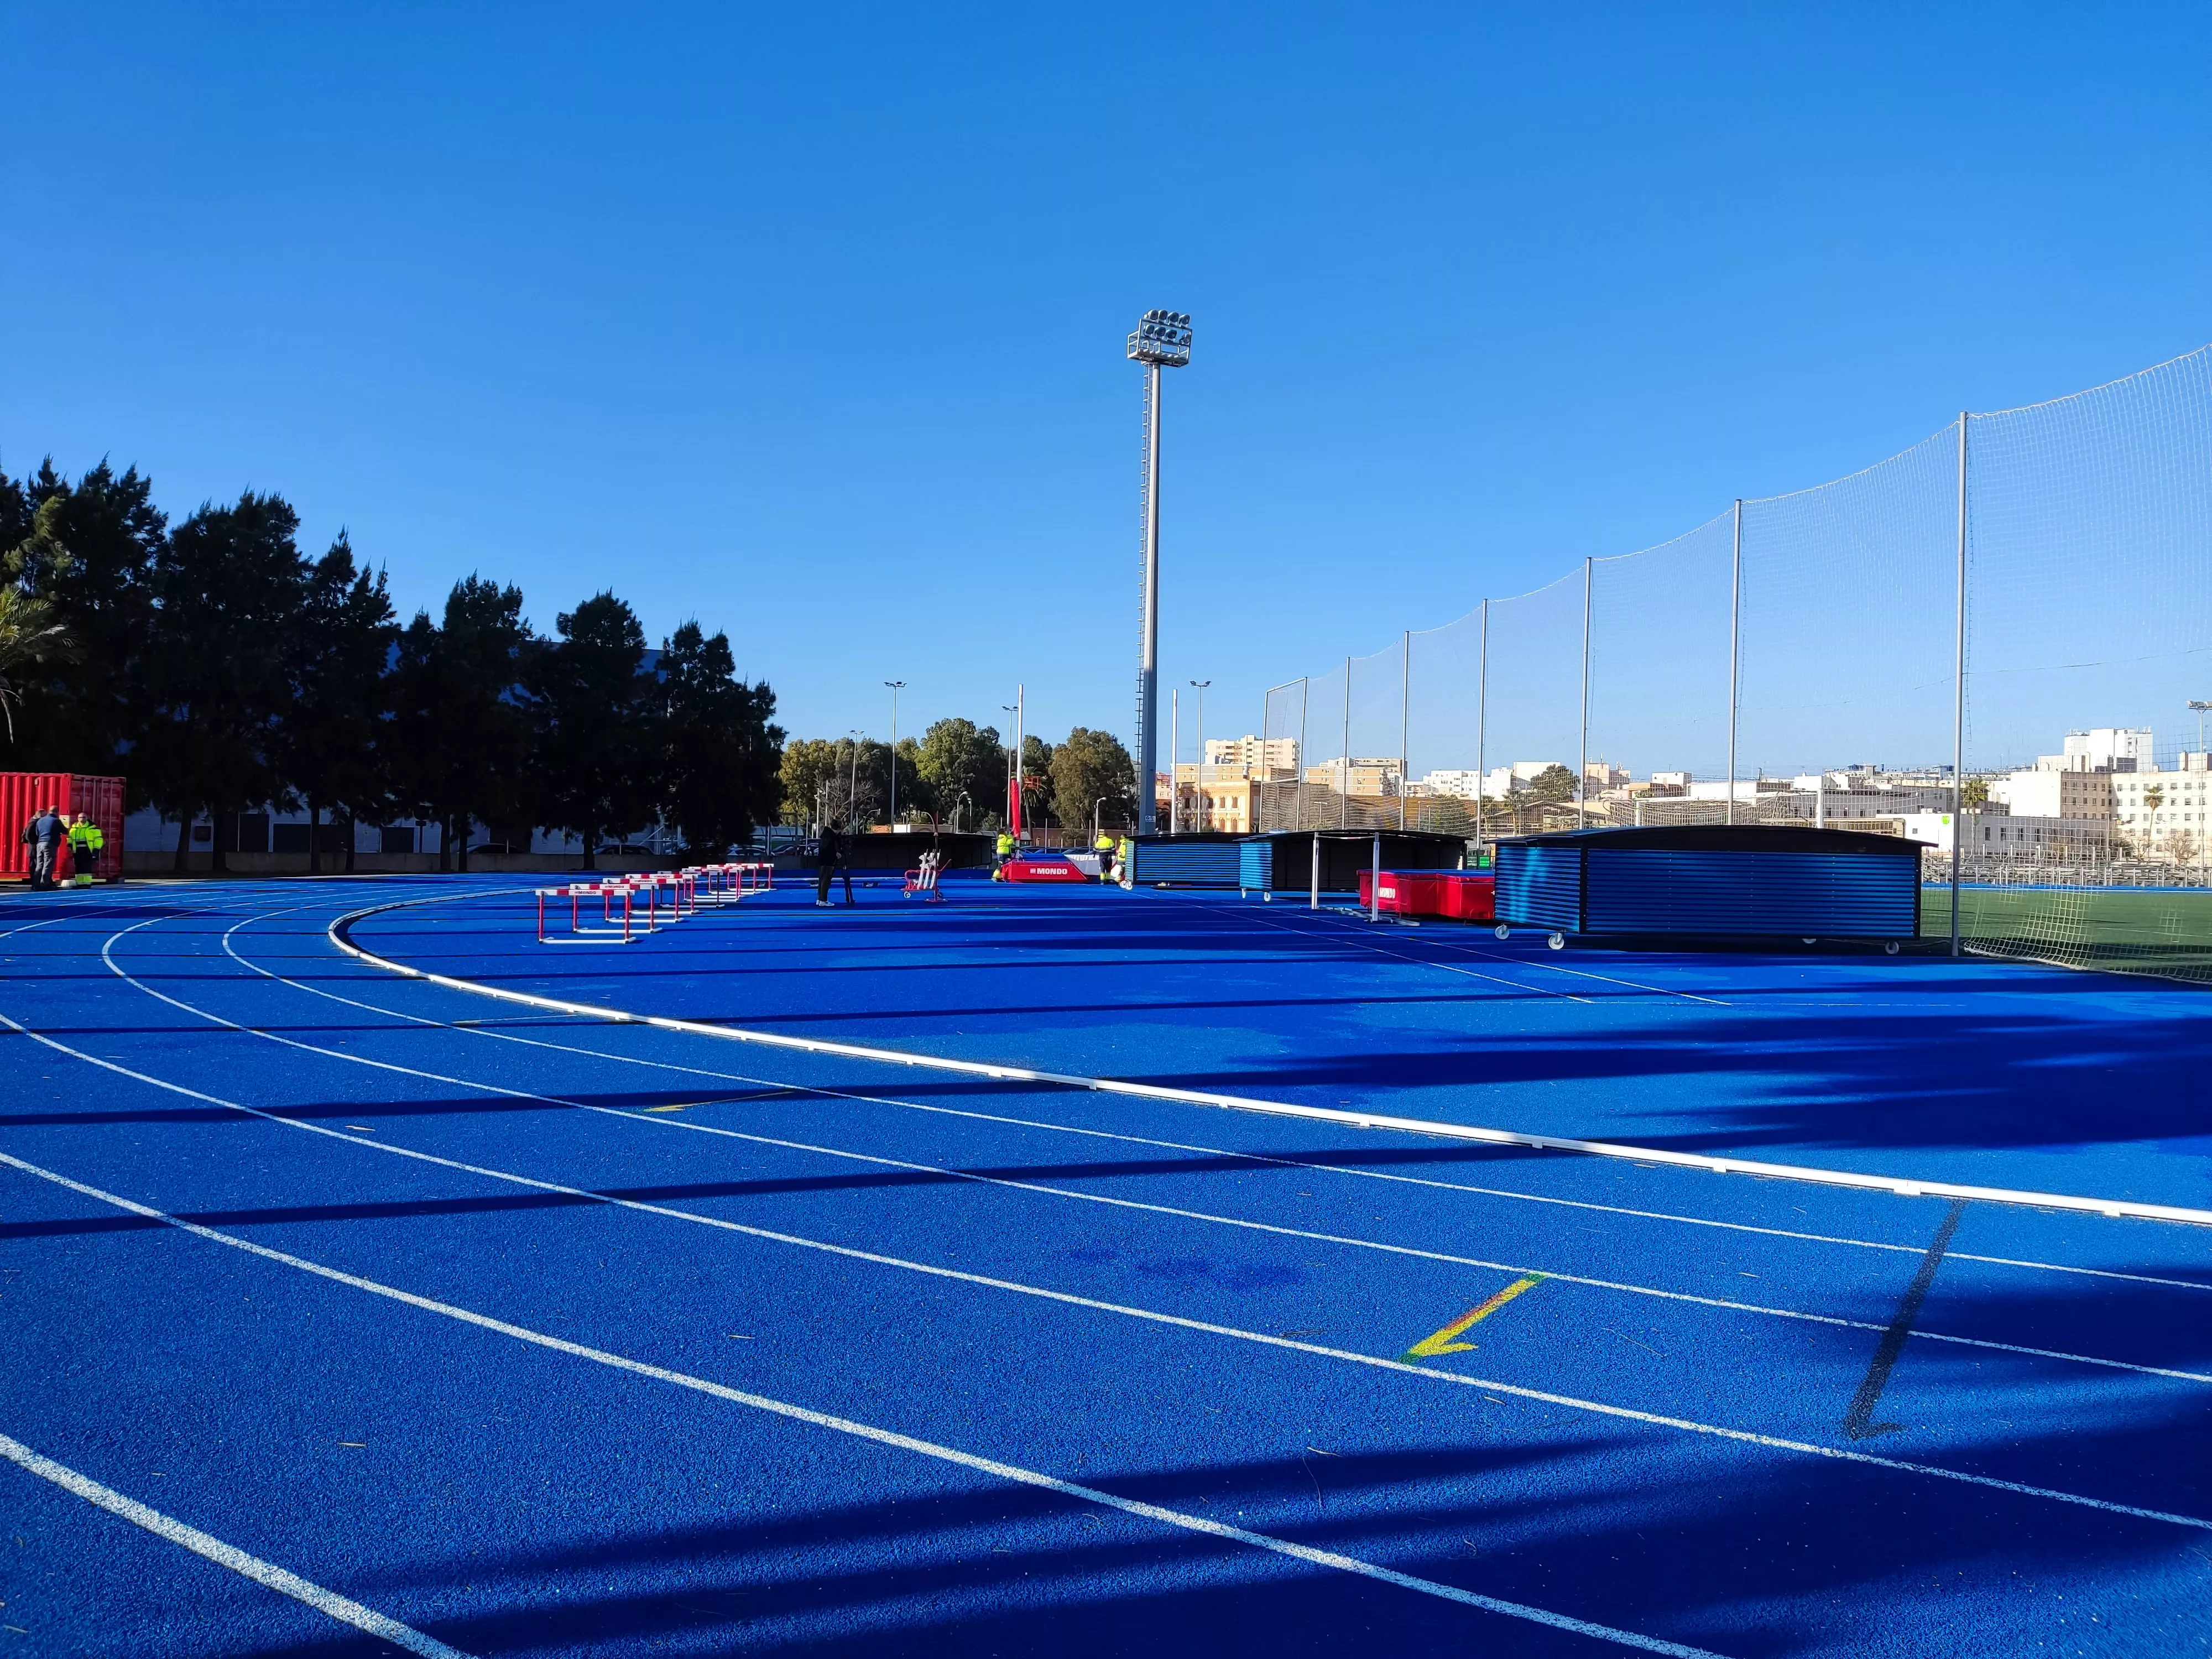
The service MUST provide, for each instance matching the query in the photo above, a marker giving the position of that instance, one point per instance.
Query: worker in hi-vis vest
(1005, 850)
(85, 842)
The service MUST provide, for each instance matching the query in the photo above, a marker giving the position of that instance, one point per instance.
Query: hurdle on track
(669, 895)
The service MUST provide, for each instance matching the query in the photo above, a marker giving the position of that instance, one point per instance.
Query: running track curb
(339, 935)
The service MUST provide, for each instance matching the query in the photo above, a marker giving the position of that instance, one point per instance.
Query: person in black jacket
(831, 859)
(43, 835)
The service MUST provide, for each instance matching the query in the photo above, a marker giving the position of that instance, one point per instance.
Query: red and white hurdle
(669, 897)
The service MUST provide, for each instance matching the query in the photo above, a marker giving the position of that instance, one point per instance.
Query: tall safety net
(1798, 658)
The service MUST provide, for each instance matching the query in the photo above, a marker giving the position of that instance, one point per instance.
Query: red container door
(21, 795)
(100, 799)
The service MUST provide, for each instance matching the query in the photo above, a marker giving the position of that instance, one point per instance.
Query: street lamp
(1203, 822)
(2201, 706)
(852, 789)
(1162, 341)
(896, 687)
(963, 803)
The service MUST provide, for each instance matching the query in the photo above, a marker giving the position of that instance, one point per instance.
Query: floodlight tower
(1162, 341)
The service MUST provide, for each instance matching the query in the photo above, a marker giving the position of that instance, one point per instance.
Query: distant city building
(2012, 835)
(1373, 776)
(2042, 792)
(1461, 783)
(1272, 758)
(2104, 748)
(2162, 813)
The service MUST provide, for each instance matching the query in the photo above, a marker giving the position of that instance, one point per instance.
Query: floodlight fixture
(1162, 337)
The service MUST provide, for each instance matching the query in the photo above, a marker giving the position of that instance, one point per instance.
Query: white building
(1502, 781)
(2162, 813)
(2008, 835)
(2050, 793)
(1274, 758)
(1463, 783)
(2105, 748)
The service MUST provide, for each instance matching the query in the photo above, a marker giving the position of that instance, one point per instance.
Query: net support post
(1481, 727)
(1958, 703)
(1735, 649)
(1582, 777)
(1405, 714)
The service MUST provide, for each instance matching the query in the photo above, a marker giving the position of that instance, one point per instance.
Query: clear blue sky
(808, 322)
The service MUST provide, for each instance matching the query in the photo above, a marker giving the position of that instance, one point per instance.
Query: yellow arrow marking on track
(1440, 1343)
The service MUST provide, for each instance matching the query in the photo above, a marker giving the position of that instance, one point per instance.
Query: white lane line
(476, 1029)
(1011, 1472)
(327, 1603)
(1902, 1187)
(1345, 931)
(1364, 943)
(1039, 1188)
(1625, 1414)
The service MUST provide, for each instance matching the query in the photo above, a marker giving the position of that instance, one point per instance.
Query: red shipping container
(21, 795)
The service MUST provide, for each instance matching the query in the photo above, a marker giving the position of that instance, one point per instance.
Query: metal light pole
(896, 687)
(852, 789)
(1162, 341)
(1202, 685)
(2200, 707)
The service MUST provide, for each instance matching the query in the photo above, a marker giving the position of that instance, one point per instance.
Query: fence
(2013, 617)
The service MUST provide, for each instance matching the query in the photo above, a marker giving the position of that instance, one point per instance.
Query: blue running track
(352, 1313)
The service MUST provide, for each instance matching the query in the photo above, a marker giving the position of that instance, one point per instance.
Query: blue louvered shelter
(1712, 881)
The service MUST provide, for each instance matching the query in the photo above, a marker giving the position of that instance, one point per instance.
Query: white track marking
(1908, 1187)
(1625, 1414)
(327, 1603)
(561, 1102)
(477, 1029)
(1345, 931)
(1487, 956)
(1010, 1472)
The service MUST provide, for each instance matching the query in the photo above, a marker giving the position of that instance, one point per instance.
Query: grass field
(2165, 931)
(354, 1313)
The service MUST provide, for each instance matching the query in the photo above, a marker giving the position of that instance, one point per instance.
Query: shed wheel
(1503, 931)
(1889, 947)
(1558, 941)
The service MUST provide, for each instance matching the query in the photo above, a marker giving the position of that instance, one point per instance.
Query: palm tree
(28, 634)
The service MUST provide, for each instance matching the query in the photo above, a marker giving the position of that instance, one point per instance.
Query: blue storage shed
(1712, 881)
(1207, 859)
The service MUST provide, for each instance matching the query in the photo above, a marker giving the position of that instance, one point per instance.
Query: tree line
(956, 774)
(220, 669)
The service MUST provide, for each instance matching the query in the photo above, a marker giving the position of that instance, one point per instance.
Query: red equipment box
(100, 799)
(1036, 867)
(1457, 895)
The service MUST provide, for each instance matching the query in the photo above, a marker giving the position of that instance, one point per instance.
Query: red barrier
(1455, 895)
